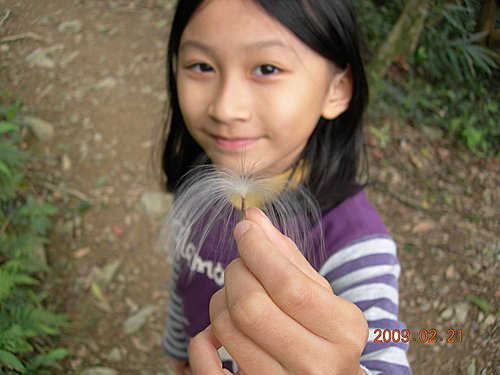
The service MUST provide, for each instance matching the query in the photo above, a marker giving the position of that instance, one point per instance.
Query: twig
(410, 202)
(6, 223)
(4, 18)
(27, 35)
(73, 192)
(243, 208)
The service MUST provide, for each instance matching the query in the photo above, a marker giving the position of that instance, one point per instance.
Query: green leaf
(23, 279)
(9, 359)
(55, 355)
(101, 181)
(5, 169)
(6, 127)
(483, 305)
(12, 111)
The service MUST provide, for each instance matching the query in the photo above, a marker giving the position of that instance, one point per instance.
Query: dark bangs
(335, 149)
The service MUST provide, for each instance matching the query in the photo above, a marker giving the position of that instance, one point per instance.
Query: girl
(279, 84)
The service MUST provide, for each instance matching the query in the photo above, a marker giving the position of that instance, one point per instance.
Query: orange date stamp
(422, 335)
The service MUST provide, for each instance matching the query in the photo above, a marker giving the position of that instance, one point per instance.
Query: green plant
(450, 83)
(449, 49)
(26, 323)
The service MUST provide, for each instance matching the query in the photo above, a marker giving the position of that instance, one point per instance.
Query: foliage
(449, 83)
(25, 323)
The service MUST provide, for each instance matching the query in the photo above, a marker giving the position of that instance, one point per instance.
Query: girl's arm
(366, 274)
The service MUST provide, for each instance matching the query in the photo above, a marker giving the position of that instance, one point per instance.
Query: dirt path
(94, 69)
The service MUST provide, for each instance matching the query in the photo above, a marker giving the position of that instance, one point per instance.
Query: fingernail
(264, 215)
(240, 229)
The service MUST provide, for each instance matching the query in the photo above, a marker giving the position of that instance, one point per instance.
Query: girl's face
(249, 90)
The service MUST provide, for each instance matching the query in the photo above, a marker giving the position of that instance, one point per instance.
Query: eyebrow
(253, 46)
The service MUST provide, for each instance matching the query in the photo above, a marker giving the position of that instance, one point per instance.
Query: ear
(339, 95)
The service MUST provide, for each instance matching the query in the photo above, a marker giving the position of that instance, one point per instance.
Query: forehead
(237, 25)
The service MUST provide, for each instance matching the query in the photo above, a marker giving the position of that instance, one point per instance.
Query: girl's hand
(179, 367)
(276, 314)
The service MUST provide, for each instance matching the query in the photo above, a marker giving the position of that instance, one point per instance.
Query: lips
(234, 143)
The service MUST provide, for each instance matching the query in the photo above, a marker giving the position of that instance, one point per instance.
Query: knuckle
(220, 323)
(249, 310)
(195, 343)
(233, 268)
(297, 295)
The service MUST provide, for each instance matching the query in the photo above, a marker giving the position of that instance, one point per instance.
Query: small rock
(66, 163)
(104, 276)
(42, 57)
(471, 369)
(461, 311)
(39, 57)
(136, 321)
(99, 370)
(73, 26)
(43, 130)
(115, 355)
(490, 320)
(156, 204)
(433, 133)
(450, 272)
(447, 314)
(106, 83)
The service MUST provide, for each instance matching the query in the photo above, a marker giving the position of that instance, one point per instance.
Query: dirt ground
(95, 70)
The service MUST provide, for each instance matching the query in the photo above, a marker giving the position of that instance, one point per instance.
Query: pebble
(156, 204)
(99, 370)
(447, 314)
(43, 130)
(115, 355)
(461, 311)
(450, 272)
(73, 26)
(106, 83)
(39, 57)
(490, 320)
(66, 163)
(135, 322)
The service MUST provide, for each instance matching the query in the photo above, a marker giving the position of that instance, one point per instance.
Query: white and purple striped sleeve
(366, 273)
(174, 340)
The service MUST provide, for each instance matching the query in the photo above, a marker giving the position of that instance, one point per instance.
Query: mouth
(234, 144)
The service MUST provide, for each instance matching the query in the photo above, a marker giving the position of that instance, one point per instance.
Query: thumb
(281, 242)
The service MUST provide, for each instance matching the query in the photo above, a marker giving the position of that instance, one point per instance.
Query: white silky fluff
(203, 202)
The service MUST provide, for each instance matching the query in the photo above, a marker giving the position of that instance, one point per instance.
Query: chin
(241, 164)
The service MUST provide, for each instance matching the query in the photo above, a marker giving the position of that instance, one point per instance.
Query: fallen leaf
(80, 253)
(118, 230)
(422, 227)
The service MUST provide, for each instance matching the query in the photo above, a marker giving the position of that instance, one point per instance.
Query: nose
(230, 102)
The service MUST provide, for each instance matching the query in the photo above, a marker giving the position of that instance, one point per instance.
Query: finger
(302, 298)
(203, 354)
(254, 314)
(250, 358)
(286, 246)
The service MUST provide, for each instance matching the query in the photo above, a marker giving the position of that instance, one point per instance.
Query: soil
(95, 71)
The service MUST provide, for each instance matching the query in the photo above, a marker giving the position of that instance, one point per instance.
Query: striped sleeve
(366, 273)
(174, 338)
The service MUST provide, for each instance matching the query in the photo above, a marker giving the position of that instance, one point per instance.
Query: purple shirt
(360, 263)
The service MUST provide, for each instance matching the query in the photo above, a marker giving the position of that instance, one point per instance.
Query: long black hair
(334, 151)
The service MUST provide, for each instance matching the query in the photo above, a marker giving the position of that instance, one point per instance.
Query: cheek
(192, 99)
(292, 114)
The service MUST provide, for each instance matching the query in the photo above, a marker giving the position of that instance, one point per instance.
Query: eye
(266, 69)
(201, 68)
